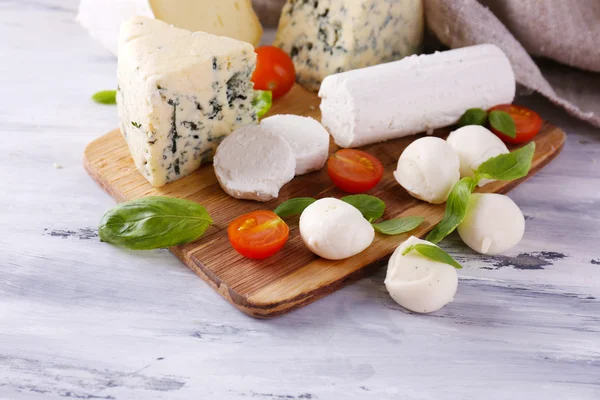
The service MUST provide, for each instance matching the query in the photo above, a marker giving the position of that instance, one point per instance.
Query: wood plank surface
(295, 276)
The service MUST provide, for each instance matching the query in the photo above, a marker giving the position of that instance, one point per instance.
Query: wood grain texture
(294, 276)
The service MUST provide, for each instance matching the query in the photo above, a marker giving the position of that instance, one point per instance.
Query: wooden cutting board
(294, 277)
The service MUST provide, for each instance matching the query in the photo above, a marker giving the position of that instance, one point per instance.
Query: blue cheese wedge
(180, 94)
(325, 37)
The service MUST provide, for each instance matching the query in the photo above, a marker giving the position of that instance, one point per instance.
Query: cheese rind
(254, 164)
(180, 93)
(231, 18)
(416, 94)
(329, 36)
(307, 137)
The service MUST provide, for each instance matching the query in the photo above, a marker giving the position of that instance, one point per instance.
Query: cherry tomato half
(528, 123)
(259, 234)
(354, 171)
(274, 71)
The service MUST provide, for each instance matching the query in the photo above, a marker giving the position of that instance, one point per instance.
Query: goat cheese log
(254, 164)
(307, 137)
(416, 94)
(180, 93)
(325, 37)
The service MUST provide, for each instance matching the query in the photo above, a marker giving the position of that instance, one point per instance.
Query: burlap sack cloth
(567, 31)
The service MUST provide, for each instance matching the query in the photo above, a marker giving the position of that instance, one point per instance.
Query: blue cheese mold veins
(175, 104)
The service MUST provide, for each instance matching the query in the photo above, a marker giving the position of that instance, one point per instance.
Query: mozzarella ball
(493, 224)
(475, 144)
(307, 137)
(334, 229)
(428, 169)
(418, 283)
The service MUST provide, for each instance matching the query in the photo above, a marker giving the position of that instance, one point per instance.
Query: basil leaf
(371, 207)
(262, 102)
(154, 222)
(293, 206)
(105, 97)
(456, 209)
(508, 167)
(397, 226)
(433, 253)
(503, 122)
(473, 116)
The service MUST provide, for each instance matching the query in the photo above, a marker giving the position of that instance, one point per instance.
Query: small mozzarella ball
(493, 224)
(418, 283)
(334, 229)
(428, 169)
(475, 144)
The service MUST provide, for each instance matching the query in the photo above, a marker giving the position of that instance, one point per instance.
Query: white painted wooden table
(81, 319)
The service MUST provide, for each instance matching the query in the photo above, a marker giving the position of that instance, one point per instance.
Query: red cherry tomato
(528, 123)
(354, 171)
(274, 71)
(259, 234)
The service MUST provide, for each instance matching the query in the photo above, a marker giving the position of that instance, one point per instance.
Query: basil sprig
(370, 207)
(433, 253)
(154, 222)
(293, 206)
(499, 120)
(505, 167)
(105, 97)
(397, 226)
(508, 167)
(456, 210)
(473, 116)
(262, 102)
(503, 122)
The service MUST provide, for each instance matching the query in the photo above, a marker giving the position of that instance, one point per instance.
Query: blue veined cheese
(325, 37)
(180, 93)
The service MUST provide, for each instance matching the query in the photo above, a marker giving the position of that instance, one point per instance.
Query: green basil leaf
(397, 226)
(293, 206)
(433, 253)
(508, 167)
(503, 122)
(154, 222)
(105, 97)
(473, 116)
(371, 207)
(262, 102)
(456, 209)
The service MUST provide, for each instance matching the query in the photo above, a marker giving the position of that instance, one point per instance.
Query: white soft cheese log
(415, 94)
(232, 18)
(307, 137)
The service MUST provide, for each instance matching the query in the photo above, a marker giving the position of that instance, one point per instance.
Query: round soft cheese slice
(474, 145)
(493, 225)
(307, 137)
(428, 169)
(254, 164)
(333, 229)
(418, 283)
